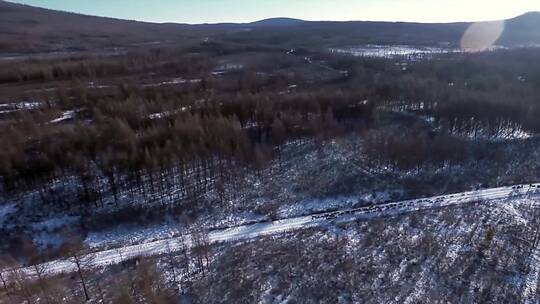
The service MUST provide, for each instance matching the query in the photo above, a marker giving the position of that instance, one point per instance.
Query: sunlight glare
(481, 36)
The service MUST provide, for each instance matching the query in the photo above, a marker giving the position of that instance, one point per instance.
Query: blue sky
(211, 11)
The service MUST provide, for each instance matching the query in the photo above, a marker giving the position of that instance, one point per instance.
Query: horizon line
(264, 19)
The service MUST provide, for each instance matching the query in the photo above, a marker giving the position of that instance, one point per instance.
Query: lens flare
(481, 36)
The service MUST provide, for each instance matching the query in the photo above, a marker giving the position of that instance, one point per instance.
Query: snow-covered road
(156, 248)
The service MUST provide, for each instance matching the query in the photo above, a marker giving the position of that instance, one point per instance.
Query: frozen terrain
(394, 51)
(113, 256)
(19, 106)
(401, 51)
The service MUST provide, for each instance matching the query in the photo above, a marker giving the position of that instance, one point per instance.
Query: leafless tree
(80, 256)
(201, 248)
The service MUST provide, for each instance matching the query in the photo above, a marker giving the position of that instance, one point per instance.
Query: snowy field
(401, 51)
(394, 51)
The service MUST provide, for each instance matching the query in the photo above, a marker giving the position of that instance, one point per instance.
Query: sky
(214, 11)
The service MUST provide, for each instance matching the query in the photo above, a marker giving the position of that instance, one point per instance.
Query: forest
(219, 134)
(274, 161)
(126, 136)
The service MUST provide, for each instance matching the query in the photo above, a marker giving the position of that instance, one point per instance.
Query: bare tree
(22, 287)
(201, 248)
(39, 270)
(78, 253)
(7, 265)
(172, 263)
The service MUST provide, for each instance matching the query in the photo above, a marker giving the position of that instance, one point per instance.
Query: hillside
(524, 29)
(331, 33)
(278, 22)
(278, 161)
(31, 29)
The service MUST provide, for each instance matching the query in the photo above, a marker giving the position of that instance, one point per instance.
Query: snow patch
(228, 67)
(19, 106)
(132, 234)
(48, 233)
(67, 115)
(393, 51)
(174, 81)
(166, 113)
(53, 224)
(6, 210)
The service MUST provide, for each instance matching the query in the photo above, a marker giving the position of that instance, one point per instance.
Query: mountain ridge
(29, 29)
(7, 6)
(278, 21)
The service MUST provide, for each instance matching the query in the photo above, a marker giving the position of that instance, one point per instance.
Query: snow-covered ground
(226, 68)
(48, 233)
(5, 210)
(480, 132)
(155, 248)
(18, 106)
(173, 81)
(393, 51)
(133, 234)
(400, 51)
(504, 134)
(67, 115)
(167, 113)
(320, 205)
(531, 281)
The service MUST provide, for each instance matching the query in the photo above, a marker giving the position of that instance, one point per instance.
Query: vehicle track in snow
(160, 247)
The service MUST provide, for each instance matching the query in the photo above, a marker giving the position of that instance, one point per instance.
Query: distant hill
(524, 29)
(278, 22)
(527, 20)
(25, 29)
(331, 33)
